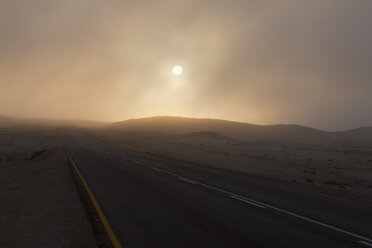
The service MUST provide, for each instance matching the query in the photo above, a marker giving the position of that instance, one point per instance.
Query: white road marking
(170, 173)
(277, 209)
(187, 180)
(246, 201)
(365, 243)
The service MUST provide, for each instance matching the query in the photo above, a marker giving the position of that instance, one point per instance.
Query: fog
(263, 62)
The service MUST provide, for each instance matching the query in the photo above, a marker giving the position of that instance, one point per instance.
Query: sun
(177, 70)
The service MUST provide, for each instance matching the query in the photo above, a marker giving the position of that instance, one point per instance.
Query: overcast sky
(263, 62)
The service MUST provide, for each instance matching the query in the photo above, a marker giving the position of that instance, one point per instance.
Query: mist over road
(153, 202)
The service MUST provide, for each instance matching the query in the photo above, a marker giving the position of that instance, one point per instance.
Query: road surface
(160, 203)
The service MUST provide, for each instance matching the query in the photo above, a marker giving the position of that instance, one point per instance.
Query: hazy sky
(264, 62)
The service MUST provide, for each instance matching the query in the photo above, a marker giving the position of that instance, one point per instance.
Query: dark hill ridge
(166, 125)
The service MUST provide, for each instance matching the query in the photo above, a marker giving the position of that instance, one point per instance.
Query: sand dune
(242, 131)
(167, 125)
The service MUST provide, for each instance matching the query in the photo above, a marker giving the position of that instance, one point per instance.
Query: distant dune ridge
(211, 128)
(166, 125)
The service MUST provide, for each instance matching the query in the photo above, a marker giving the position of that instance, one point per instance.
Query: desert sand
(39, 202)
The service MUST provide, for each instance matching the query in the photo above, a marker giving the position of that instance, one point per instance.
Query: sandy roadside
(39, 202)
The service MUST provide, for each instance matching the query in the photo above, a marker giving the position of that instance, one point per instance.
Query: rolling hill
(166, 125)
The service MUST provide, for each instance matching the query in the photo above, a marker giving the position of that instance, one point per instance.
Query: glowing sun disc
(177, 70)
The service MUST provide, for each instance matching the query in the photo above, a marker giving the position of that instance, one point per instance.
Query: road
(158, 203)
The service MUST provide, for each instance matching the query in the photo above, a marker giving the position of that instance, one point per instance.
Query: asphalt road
(160, 203)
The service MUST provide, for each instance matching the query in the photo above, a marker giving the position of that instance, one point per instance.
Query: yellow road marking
(105, 222)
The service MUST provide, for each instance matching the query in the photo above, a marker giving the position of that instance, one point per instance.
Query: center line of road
(365, 243)
(246, 201)
(187, 180)
(251, 201)
(365, 240)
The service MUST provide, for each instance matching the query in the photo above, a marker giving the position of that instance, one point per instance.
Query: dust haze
(264, 62)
